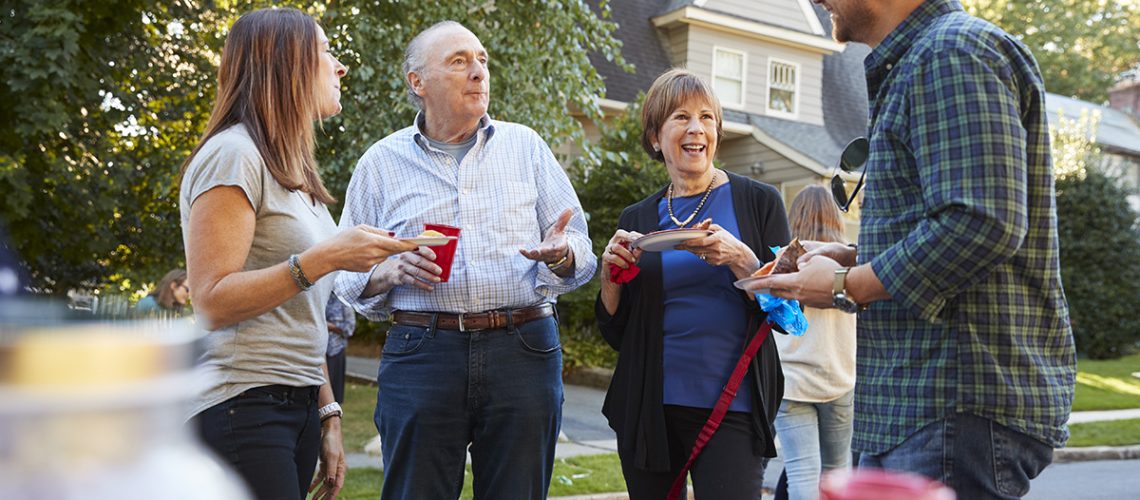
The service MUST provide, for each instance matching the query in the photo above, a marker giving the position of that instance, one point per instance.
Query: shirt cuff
(350, 286)
(907, 285)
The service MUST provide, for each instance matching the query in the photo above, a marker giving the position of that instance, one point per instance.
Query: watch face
(841, 302)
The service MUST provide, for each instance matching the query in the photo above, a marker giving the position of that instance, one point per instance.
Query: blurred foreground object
(878, 484)
(95, 410)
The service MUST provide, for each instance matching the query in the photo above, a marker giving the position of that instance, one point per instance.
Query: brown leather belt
(489, 320)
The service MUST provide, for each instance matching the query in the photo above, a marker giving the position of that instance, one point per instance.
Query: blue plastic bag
(783, 312)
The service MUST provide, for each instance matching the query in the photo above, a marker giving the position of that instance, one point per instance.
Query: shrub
(1100, 263)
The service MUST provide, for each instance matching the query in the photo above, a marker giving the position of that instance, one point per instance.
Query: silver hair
(415, 60)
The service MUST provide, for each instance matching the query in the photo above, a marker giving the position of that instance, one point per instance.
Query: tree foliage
(1082, 46)
(1100, 244)
(101, 102)
(611, 175)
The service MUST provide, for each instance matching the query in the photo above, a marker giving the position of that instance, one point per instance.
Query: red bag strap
(721, 408)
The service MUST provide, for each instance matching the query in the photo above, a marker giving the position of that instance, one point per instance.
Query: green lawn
(1107, 385)
(572, 476)
(1108, 433)
(1101, 385)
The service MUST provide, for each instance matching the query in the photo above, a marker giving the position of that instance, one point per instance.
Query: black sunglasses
(853, 157)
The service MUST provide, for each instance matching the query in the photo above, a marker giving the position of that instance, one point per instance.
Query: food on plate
(429, 233)
(787, 261)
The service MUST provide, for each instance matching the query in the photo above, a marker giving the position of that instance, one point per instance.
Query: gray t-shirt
(287, 344)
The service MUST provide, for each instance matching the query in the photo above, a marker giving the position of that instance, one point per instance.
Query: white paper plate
(667, 239)
(743, 285)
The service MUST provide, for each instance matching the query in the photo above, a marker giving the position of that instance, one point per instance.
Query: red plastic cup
(878, 484)
(445, 253)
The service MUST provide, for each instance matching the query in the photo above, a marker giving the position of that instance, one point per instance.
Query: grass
(1101, 385)
(1107, 384)
(1107, 433)
(572, 476)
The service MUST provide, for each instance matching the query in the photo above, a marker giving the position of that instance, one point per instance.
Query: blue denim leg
(499, 390)
(814, 437)
(422, 413)
(977, 457)
(517, 402)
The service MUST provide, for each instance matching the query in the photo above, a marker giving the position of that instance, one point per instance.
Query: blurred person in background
(341, 321)
(171, 294)
(816, 417)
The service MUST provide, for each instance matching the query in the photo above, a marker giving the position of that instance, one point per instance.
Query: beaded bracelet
(299, 277)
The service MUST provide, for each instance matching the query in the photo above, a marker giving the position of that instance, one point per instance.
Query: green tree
(101, 103)
(1082, 46)
(611, 175)
(1100, 245)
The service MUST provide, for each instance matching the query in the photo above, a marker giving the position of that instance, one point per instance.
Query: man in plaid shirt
(966, 361)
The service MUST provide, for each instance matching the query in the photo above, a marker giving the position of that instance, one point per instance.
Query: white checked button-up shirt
(504, 196)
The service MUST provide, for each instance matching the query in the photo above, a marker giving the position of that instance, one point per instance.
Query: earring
(656, 148)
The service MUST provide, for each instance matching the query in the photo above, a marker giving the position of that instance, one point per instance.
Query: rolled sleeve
(972, 166)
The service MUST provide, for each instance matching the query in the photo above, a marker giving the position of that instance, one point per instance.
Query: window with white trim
(782, 86)
(728, 76)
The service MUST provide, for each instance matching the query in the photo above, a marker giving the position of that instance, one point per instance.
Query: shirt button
(466, 191)
(889, 66)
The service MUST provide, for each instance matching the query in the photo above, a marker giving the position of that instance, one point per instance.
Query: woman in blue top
(171, 294)
(680, 325)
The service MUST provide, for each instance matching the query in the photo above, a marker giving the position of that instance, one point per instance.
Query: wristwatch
(839, 297)
(328, 411)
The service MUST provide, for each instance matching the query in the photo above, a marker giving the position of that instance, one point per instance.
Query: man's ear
(416, 82)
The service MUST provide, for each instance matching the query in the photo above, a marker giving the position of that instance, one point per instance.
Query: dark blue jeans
(499, 391)
(978, 458)
(270, 435)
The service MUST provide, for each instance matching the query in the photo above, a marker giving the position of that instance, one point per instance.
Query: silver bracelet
(328, 411)
(299, 277)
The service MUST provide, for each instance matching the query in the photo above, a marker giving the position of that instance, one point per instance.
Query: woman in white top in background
(260, 249)
(815, 420)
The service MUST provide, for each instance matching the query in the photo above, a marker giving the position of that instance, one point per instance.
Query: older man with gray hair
(474, 360)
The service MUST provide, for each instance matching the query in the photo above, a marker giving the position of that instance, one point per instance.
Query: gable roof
(1117, 132)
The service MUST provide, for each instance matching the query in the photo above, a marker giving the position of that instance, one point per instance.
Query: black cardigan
(633, 403)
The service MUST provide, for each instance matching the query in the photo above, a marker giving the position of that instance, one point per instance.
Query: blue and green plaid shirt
(959, 222)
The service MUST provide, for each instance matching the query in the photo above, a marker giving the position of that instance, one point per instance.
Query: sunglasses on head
(853, 158)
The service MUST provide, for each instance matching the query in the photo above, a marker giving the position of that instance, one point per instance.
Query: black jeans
(727, 468)
(270, 435)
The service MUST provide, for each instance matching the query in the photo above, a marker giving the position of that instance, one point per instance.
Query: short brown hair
(815, 216)
(669, 91)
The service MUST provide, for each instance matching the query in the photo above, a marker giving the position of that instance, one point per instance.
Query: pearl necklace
(669, 203)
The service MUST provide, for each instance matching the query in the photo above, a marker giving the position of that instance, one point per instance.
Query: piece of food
(787, 261)
(430, 234)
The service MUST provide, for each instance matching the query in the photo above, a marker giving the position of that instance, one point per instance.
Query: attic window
(728, 76)
(782, 85)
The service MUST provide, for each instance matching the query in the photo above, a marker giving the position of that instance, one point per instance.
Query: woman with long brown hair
(260, 246)
(816, 416)
(171, 294)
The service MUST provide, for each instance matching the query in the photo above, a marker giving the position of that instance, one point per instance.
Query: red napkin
(621, 276)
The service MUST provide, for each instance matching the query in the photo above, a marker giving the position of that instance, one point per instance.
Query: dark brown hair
(267, 81)
(814, 216)
(164, 293)
(668, 92)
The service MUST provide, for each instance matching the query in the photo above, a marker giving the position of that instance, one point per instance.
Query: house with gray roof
(792, 97)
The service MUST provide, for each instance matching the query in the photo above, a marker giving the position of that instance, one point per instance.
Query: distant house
(792, 96)
(1117, 135)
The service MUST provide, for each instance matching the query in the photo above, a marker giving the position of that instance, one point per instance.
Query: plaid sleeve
(969, 147)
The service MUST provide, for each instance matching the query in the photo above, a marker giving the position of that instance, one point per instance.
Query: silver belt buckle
(461, 327)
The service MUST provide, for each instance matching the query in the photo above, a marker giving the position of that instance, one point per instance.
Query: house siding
(699, 56)
(784, 13)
